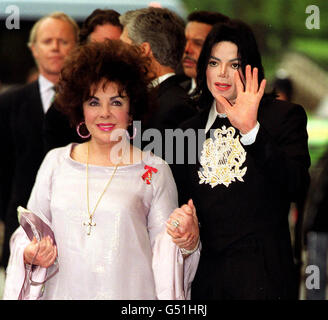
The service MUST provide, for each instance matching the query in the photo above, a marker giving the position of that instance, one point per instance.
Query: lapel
(32, 104)
(201, 120)
(186, 84)
(198, 124)
(34, 98)
(28, 116)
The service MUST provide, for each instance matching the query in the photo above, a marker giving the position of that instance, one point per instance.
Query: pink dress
(128, 254)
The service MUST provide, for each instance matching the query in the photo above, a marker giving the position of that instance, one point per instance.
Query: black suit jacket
(252, 213)
(173, 105)
(57, 130)
(21, 121)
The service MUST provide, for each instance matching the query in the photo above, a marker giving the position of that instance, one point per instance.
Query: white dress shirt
(193, 86)
(162, 78)
(246, 139)
(47, 92)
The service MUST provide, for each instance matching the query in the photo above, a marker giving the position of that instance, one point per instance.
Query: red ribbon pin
(148, 175)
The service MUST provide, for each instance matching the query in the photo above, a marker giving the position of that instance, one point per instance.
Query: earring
(134, 133)
(78, 131)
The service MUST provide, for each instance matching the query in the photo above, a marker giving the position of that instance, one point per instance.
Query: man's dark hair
(208, 17)
(96, 18)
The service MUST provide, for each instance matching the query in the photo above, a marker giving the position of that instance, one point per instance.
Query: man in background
(99, 26)
(160, 34)
(199, 24)
(22, 112)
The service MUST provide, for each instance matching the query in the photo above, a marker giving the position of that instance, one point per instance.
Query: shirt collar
(213, 114)
(193, 86)
(162, 78)
(45, 84)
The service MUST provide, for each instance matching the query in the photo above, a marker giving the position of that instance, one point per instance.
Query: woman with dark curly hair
(105, 200)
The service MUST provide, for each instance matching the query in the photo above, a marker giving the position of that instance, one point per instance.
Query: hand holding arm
(186, 234)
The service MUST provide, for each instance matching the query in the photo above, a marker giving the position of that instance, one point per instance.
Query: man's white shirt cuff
(250, 137)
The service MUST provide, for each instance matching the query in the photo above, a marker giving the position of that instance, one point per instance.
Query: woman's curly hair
(113, 61)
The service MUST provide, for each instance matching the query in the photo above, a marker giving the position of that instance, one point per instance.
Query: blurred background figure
(315, 230)
(22, 113)
(155, 4)
(283, 88)
(99, 26)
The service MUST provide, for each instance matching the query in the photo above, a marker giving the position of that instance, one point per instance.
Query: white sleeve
(250, 137)
(39, 203)
(16, 272)
(173, 275)
(165, 200)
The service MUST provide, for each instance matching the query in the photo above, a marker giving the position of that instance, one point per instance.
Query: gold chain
(90, 224)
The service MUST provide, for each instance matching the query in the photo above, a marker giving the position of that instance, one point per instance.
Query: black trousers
(240, 272)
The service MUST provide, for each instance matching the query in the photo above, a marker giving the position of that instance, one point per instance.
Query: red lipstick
(106, 126)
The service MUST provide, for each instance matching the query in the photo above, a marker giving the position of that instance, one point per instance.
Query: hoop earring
(78, 131)
(134, 133)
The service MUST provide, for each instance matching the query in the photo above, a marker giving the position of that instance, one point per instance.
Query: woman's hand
(186, 234)
(41, 253)
(243, 114)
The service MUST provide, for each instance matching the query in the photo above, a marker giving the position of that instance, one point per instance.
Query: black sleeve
(281, 153)
(181, 171)
(180, 175)
(7, 162)
(181, 111)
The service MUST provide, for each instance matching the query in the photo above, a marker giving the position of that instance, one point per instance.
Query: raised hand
(182, 226)
(41, 253)
(243, 114)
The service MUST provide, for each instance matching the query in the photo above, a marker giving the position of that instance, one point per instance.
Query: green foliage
(279, 25)
(315, 48)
